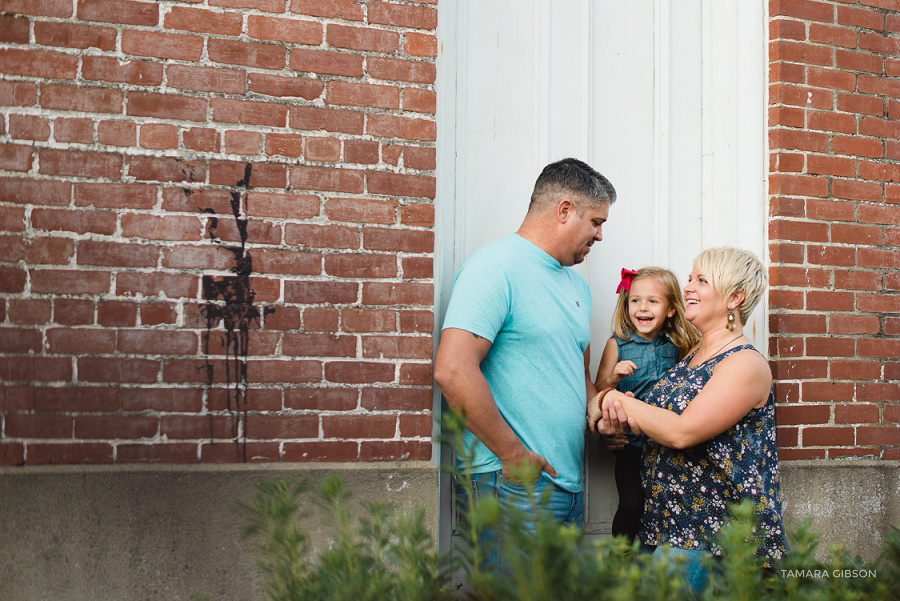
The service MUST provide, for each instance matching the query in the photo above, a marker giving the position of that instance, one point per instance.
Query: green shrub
(389, 555)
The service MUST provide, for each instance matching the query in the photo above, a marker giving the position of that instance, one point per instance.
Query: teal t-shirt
(537, 315)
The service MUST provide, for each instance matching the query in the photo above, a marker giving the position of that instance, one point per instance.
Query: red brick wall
(172, 170)
(834, 106)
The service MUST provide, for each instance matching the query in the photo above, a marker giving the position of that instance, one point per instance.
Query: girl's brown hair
(679, 330)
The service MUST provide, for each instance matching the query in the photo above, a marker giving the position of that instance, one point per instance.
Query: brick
(394, 450)
(117, 254)
(398, 240)
(421, 215)
(137, 371)
(117, 133)
(115, 427)
(831, 255)
(73, 35)
(876, 85)
(854, 324)
(76, 129)
(856, 190)
(361, 151)
(71, 453)
(366, 39)
(314, 118)
(284, 206)
(417, 321)
(17, 93)
(828, 121)
(368, 320)
(165, 169)
(829, 347)
(29, 311)
(419, 101)
(318, 236)
(855, 370)
(286, 87)
(206, 79)
(833, 36)
(856, 234)
(154, 314)
(198, 257)
(29, 127)
(860, 17)
(157, 284)
(420, 44)
(116, 313)
(400, 127)
(251, 113)
(243, 451)
(201, 138)
(878, 171)
(829, 165)
(186, 427)
(73, 312)
(157, 453)
(119, 11)
(76, 399)
(327, 179)
(264, 175)
(282, 427)
(415, 374)
(287, 262)
(877, 392)
(321, 450)
(81, 341)
(357, 94)
(320, 319)
(37, 63)
(798, 140)
(249, 54)
(414, 17)
(882, 128)
(40, 8)
(270, 6)
(292, 31)
(12, 280)
(798, 230)
(20, 340)
(255, 399)
(378, 182)
(857, 103)
(321, 399)
(401, 347)
(290, 371)
(788, 323)
(39, 426)
(857, 146)
(798, 185)
(396, 399)
(786, 437)
(289, 145)
(159, 136)
(335, 9)
(857, 61)
(110, 69)
(824, 436)
(243, 142)
(30, 369)
(13, 29)
(204, 21)
(878, 435)
(326, 63)
(115, 196)
(876, 42)
(807, 414)
(797, 52)
(888, 215)
(166, 106)
(361, 266)
(878, 258)
(319, 345)
(80, 222)
(71, 98)
(359, 426)
(157, 342)
(878, 303)
(12, 219)
(312, 292)
(14, 157)
(321, 149)
(168, 227)
(361, 210)
(379, 293)
(162, 45)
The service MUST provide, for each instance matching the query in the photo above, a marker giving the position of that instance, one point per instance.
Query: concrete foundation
(850, 502)
(168, 532)
(161, 532)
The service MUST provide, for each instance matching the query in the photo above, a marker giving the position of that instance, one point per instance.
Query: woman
(710, 420)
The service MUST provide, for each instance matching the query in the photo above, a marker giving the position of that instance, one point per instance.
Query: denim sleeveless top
(653, 359)
(687, 491)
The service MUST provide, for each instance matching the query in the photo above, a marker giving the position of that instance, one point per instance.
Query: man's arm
(457, 371)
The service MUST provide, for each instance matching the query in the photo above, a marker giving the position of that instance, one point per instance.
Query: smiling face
(581, 231)
(648, 307)
(703, 306)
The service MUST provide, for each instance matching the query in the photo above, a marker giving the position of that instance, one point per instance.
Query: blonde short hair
(731, 270)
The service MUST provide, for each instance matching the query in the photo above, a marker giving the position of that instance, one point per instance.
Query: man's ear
(565, 209)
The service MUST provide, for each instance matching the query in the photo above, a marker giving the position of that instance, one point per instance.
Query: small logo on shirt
(577, 304)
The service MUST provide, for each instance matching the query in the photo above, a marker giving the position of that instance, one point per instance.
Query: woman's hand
(613, 412)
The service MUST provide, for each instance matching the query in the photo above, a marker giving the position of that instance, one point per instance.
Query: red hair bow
(627, 274)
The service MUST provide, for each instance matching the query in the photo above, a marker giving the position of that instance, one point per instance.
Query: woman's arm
(738, 384)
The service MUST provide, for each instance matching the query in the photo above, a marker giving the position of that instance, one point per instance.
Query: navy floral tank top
(687, 491)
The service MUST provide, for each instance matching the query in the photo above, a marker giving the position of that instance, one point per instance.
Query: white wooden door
(666, 98)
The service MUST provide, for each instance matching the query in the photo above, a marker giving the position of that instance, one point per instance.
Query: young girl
(650, 335)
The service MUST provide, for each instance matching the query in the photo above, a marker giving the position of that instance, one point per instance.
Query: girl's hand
(622, 370)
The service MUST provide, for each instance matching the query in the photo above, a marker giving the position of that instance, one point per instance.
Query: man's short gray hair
(570, 176)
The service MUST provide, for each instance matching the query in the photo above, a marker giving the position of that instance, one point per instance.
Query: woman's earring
(730, 324)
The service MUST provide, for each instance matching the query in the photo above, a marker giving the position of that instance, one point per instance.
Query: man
(514, 352)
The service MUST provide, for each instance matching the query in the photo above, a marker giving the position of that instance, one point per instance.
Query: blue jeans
(565, 507)
(688, 562)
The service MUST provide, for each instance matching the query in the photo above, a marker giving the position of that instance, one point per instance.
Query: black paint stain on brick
(229, 301)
